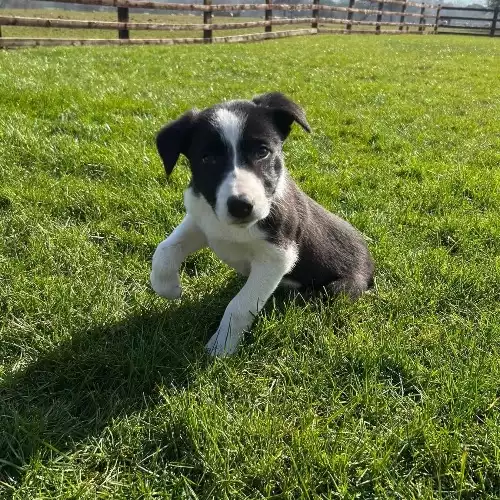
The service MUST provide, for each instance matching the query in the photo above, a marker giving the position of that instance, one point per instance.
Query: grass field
(105, 391)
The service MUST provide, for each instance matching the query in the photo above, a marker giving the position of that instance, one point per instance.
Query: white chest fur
(237, 246)
(235, 255)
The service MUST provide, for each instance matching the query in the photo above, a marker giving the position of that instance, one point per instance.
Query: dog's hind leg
(185, 239)
(353, 287)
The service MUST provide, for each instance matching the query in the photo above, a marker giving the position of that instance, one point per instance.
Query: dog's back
(332, 254)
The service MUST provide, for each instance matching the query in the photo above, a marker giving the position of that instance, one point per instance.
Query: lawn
(105, 390)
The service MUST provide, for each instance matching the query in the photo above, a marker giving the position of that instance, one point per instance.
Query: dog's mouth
(247, 222)
(243, 223)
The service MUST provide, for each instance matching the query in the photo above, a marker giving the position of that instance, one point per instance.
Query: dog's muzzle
(239, 207)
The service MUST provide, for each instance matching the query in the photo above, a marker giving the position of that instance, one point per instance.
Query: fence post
(402, 18)
(207, 19)
(269, 16)
(123, 18)
(436, 22)
(494, 21)
(348, 25)
(315, 14)
(379, 17)
(422, 19)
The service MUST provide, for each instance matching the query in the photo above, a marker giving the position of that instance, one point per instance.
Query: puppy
(243, 204)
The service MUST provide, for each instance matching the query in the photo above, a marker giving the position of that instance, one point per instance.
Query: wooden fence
(472, 21)
(426, 19)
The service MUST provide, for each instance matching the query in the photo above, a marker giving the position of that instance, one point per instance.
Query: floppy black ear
(284, 111)
(174, 139)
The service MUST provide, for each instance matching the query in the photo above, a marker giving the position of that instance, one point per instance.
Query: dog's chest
(234, 245)
(236, 255)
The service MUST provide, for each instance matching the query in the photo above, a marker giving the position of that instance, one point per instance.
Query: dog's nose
(239, 207)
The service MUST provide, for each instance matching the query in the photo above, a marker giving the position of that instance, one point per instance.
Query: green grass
(105, 391)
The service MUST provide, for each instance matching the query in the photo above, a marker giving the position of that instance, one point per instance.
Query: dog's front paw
(222, 345)
(168, 287)
(227, 338)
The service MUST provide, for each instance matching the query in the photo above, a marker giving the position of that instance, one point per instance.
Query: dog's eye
(209, 160)
(262, 152)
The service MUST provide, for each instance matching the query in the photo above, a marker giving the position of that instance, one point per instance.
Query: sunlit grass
(105, 391)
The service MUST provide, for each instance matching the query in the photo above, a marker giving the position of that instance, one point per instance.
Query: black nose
(239, 206)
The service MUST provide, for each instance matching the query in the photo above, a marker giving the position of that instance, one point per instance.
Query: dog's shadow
(77, 389)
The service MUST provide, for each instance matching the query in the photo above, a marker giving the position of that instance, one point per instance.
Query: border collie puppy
(243, 204)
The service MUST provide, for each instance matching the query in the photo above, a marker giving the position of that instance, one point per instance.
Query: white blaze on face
(239, 181)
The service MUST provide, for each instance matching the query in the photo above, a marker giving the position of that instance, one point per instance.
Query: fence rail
(469, 9)
(111, 25)
(442, 21)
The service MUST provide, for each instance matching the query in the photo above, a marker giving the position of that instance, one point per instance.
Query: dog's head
(235, 153)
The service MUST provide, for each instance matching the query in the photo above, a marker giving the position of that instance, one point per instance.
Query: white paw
(222, 345)
(227, 338)
(168, 287)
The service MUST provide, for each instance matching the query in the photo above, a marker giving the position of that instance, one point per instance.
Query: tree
(492, 4)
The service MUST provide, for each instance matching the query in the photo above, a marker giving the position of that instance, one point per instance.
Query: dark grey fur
(333, 256)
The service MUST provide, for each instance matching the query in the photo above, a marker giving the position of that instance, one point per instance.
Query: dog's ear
(174, 139)
(284, 111)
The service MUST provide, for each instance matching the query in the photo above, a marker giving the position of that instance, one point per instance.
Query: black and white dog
(242, 203)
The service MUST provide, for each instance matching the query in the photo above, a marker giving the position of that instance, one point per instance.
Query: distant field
(154, 17)
(27, 32)
(105, 389)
